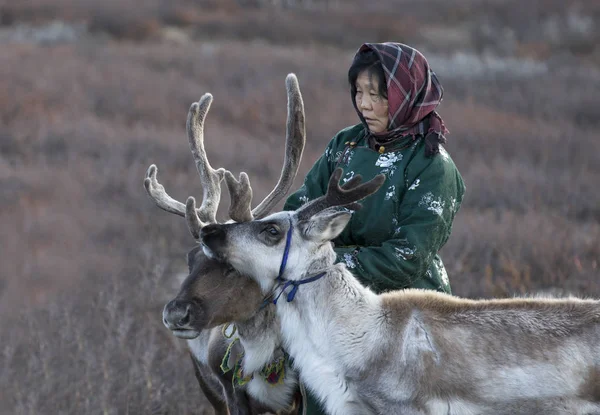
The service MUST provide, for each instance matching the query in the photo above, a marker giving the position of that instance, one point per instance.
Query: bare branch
(158, 193)
(346, 196)
(295, 140)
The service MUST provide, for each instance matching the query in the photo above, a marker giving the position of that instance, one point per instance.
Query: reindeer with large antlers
(410, 351)
(248, 374)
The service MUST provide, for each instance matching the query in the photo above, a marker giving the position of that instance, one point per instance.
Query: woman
(393, 241)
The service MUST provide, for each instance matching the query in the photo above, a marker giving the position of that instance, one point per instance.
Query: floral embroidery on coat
(348, 177)
(397, 228)
(453, 206)
(444, 276)
(415, 184)
(404, 251)
(349, 260)
(348, 157)
(388, 162)
(442, 272)
(432, 204)
(331, 156)
(390, 192)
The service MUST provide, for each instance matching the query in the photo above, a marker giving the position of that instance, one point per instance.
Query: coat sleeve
(422, 225)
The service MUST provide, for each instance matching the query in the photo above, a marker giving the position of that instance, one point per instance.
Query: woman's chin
(375, 130)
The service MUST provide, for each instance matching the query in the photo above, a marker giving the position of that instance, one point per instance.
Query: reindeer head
(212, 294)
(289, 245)
(215, 293)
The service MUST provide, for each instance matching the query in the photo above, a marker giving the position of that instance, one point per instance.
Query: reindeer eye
(271, 230)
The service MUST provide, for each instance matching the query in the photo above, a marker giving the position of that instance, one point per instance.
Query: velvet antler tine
(160, 196)
(353, 182)
(240, 194)
(210, 178)
(345, 196)
(191, 216)
(294, 147)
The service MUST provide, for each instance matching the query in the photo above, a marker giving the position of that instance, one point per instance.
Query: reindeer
(252, 375)
(410, 351)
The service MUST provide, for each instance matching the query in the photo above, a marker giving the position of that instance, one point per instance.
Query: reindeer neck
(260, 337)
(334, 307)
(199, 346)
(323, 260)
(337, 286)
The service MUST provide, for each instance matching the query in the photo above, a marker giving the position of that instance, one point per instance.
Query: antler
(294, 146)
(209, 177)
(241, 192)
(347, 195)
(159, 194)
(239, 189)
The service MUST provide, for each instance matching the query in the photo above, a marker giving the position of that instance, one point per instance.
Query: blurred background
(92, 92)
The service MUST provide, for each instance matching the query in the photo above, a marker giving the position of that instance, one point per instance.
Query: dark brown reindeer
(215, 297)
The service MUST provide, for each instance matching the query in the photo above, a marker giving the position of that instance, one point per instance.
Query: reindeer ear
(325, 225)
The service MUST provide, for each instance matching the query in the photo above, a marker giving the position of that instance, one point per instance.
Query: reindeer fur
(415, 351)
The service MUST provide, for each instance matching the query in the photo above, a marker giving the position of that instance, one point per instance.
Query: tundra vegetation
(91, 93)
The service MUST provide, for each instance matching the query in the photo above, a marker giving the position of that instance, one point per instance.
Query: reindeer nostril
(177, 314)
(185, 320)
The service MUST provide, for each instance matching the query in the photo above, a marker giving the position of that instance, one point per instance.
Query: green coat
(392, 242)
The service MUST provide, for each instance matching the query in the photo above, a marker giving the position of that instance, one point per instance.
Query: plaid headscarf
(414, 92)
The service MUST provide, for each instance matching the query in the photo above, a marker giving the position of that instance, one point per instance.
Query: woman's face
(373, 107)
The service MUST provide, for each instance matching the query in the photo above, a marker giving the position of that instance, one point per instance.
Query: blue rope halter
(286, 252)
(287, 283)
(292, 293)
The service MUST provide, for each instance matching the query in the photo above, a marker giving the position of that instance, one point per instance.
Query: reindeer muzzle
(177, 317)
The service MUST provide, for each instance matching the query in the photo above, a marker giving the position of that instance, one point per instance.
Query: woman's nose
(365, 103)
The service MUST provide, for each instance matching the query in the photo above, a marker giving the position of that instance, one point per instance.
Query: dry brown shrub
(88, 260)
(124, 26)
